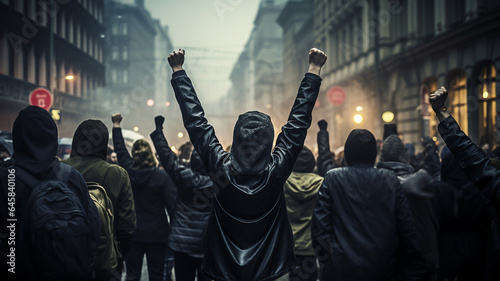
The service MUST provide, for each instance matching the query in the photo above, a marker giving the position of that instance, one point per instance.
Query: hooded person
(88, 156)
(465, 216)
(194, 200)
(362, 220)
(301, 191)
(420, 195)
(248, 236)
(154, 192)
(34, 136)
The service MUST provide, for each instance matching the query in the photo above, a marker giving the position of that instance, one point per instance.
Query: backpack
(57, 228)
(107, 250)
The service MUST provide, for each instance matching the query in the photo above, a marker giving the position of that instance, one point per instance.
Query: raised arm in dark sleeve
(325, 156)
(124, 158)
(474, 162)
(293, 134)
(201, 133)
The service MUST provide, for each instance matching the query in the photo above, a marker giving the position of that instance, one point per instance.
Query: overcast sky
(213, 33)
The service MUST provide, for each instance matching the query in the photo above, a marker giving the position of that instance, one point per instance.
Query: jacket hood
(143, 155)
(400, 169)
(302, 186)
(252, 143)
(90, 139)
(360, 148)
(197, 165)
(305, 162)
(34, 137)
(451, 171)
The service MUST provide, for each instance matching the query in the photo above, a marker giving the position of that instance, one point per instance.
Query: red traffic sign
(42, 98)
(336, 95)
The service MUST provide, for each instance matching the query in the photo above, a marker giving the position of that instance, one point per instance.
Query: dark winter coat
(248, 236)
(360, 221)
(420, 197)
(153, 192)
(35, 143)
(194, 198)
(88, 156)
(477, 167)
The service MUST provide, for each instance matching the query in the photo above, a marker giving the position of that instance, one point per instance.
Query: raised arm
(293, 133)
(181, 175)
(325, 156)
(474, 162)
(201, 133)
(124, 158)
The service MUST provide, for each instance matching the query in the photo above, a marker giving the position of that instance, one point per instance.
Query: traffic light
(56, 114)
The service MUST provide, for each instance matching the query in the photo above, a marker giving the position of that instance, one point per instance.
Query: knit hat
(143, 154)
(393, 149)
(360, 148)
(305, 162)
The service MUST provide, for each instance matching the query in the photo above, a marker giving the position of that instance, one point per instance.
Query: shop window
(457, 96)
(486, 91)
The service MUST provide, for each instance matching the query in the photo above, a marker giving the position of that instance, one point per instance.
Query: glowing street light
(173, 148)
(359, 108)
(150, 102)
(485, 95)
(136, 129)
(358, 118)
(167, 103)
(180, 135)
(69, 77)
(388, 116)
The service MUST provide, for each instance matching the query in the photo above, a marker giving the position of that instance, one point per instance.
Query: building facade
(388, 55)
(40, 46)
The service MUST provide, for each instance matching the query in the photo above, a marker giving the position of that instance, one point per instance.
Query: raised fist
(116, 119)
(176, 60)
(317, 57)
(159, 122)
(322, 124)
(438, 99)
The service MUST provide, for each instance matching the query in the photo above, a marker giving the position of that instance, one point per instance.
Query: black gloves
(322, 124)
(159, 122)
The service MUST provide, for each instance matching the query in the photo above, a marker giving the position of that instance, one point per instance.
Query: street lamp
(358, 118)
(69, 77)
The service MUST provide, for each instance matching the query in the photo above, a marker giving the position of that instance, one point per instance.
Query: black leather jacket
(248, 236)
(360, 222)
(192, 209)
(478, 168)
(325, 160)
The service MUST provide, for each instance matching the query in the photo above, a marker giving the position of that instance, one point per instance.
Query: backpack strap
(62, 174)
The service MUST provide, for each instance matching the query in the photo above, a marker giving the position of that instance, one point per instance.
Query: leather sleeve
(322, 226)
(293, 134)
(474, 162)
(201, 133)
(325, 156)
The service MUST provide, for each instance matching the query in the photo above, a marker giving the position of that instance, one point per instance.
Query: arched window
(457, 96)
(486, 91)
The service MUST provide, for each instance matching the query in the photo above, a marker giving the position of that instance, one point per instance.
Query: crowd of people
(258, 210)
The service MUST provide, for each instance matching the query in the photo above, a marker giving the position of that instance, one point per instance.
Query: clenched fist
(176, 60)
(438, 100)
(116, 119)
(317, 59)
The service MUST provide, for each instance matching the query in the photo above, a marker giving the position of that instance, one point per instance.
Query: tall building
(42, 45)
(387, 56)
(256, 78)
(138, 74)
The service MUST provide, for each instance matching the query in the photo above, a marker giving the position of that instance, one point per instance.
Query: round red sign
(41, 97)
(336, 95)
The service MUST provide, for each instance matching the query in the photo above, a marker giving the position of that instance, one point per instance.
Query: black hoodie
(34, 137)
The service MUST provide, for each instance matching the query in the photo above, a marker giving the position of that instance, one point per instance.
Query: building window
(114, 53)
(487, 105)
(124, 76)
(114, 76)
(114, 28)
(119, 28)
(425, 18)
(456, 14)
(457, 95)
(125, 52)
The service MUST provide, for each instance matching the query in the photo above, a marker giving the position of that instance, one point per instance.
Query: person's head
(252, 143)
(90, 140)
(185, 151)
(390, 129)
(113, 158)
(143, 155)
(393, 150)
(305, 162)
(34, 137)
(360, 148)
(410, 149)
